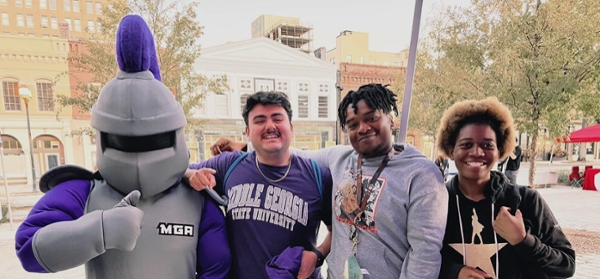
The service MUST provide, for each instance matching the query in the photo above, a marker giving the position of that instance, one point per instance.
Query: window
(90, 26)
(43, 4)
(52, 5)
(10, 143)
(372, 62)
(76, 6)
(395, 64)
(98, 27)
(46, 143)
(323, 107)
(333, 60)
(68, 21)
(386, 63)
(5, 21)
(28, 3)
(53, 23)
(44, 21)
(223, 104)
(19, 3)
(243, 99)
(362, 60)
(98, 8)
(20, 20)
(4, 2)
(77, 25)
(10, 92)
(45, 96)
(89, 7)
(67, 5)
(302, 106)
(30, 21)
(349, 58)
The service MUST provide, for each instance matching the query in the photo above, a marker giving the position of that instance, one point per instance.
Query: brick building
(352, 76)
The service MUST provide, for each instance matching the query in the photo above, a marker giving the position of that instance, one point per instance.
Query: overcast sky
(388, 22)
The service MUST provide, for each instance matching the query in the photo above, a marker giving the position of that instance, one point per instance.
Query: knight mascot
(133, 218)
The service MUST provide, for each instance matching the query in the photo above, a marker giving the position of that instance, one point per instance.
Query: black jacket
(545, 252)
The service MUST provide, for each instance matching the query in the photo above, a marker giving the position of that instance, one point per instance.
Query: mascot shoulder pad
(62, 174)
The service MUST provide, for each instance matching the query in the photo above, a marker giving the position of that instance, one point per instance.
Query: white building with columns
(261, 64)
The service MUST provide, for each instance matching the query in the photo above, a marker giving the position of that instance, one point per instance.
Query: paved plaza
(574, 208)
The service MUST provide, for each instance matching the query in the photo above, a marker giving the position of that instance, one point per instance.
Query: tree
(535, 56)
(176, 33)
(438, 83)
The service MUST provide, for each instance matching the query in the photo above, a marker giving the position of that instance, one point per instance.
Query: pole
(549, 166)
(34, 182)
(10, 218)
(338, 96)
(410, 71)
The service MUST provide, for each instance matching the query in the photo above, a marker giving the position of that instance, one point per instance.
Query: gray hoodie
(403, 226)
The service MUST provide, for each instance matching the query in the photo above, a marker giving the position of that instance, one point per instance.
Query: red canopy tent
(587, 134)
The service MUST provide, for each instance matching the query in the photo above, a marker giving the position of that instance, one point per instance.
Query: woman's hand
(510, 227)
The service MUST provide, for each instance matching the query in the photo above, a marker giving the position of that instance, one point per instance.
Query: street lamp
(25, 94)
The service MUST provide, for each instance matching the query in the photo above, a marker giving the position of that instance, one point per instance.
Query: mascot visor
(138, 144)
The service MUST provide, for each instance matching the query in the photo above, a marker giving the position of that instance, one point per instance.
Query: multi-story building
(40, 65)
(352, 76)
(261, 64)
(84, 144)
(42, 18)
(47, 24)
(286, 30)
(353, 47)
(358, 65)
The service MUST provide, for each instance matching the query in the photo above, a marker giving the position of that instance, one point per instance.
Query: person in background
(514, 163)
(443, 165)
(511, 230)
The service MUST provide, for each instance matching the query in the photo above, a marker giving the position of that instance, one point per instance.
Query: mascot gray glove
(122, 224)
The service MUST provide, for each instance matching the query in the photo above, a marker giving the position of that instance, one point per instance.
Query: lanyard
(364, 197)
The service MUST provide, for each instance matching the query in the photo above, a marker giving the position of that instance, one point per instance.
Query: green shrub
(4, 219)
(563, 177)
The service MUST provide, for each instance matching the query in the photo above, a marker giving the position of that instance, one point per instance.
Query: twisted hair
(376, 96)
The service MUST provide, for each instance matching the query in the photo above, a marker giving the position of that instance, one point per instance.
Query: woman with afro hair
(494, 229)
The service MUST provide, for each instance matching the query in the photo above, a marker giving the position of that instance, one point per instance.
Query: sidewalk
(575, 209)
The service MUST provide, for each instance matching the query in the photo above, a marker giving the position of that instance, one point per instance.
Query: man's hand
(510, 227)
(200, 179)
(226, 145)
(468, 272)
(307, 267)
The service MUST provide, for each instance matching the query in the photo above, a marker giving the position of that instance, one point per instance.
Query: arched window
(10, 92)
(45, 95)
(11, 145)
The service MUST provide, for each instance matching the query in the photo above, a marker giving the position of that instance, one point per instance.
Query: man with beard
(275, 199)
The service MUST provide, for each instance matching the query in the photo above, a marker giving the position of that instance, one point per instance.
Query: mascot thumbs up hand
(123, 223)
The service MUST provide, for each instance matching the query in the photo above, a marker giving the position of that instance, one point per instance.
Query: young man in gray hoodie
(391, 225)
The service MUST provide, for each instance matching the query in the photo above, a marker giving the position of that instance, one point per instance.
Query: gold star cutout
(479, 255)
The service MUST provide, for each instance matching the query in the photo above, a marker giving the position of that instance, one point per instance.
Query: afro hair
(487, 111)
